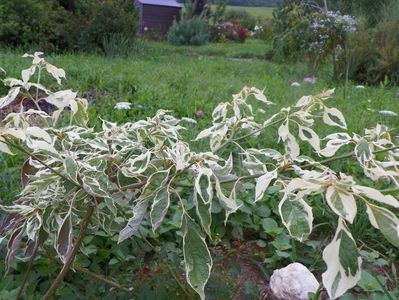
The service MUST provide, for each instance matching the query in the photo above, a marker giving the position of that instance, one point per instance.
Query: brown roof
(170, 3)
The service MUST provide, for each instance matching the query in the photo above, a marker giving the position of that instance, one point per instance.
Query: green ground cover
(256, 11)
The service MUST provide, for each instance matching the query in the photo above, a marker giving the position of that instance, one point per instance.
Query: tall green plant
(137, 171)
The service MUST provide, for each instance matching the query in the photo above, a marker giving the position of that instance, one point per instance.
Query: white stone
(388, 113)
(293, 282)
(295, 84)
(310, 80)
(122, 105)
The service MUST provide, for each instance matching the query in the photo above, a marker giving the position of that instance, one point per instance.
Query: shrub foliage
(192, 31)
(123, 178)
(46, 24)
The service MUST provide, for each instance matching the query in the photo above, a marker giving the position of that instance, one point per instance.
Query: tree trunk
(68, 5)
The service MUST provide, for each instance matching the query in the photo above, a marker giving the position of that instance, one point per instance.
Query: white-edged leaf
(335, 141)
(41, 146)
(197, 258)
(296, 216)
(220, 111)
(228, 203)
(342, 203)
(262, 183)
(10, 97)
(386, 221)
(71, 168)
(64, 238)
(57, 73)
(27, 73)
(203, 210)
(134, 222)
(339, 119)
(375, 195)
(204, 133)
(292, 146)
(308, 135)
(159, 207)
(343, 262)
(109, 202)
(304, 101)
(203, 185)
(363, 151)
(136, 165)
(39, 133)
(4, 148)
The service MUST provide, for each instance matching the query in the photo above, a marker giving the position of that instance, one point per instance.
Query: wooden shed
(156, 16)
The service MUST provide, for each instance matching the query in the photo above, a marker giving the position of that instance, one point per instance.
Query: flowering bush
(125, 178)
(372, 54)
(235, 32)
(299, 31)
(327, 31)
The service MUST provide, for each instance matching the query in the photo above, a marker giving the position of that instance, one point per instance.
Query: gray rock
(293, 282)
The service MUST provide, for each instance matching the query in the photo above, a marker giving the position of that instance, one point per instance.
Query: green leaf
(197, 258)
(109, 202)
(71, 168)
(203, 211)
(270, 226)
(297, 217)
(369, 283)
(343, 262)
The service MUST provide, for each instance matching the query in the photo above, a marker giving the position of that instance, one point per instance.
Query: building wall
(157, 18)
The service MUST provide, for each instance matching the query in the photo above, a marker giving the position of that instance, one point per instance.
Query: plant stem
(27, 272)
(190, 296)
(71, 256)
(317, 294)
(103, 279)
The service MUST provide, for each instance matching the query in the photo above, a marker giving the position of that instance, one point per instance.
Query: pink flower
(199, 114)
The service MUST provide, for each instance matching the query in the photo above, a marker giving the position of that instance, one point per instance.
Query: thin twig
(190, 296)
(27, 272)
(71, 256)
(103, 279)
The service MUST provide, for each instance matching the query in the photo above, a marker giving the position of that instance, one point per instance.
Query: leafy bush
(242, 17)
(100, 20)
(192, 31)
(302, 31)
(40, 22)
(125, 178)
(373, 54)
(49, 26)
(234, 32)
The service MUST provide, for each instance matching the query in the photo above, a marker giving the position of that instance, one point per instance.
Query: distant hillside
(269, 3)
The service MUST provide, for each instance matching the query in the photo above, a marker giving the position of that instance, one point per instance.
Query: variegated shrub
(136, 171)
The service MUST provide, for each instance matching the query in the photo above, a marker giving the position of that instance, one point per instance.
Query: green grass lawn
(256, 11)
